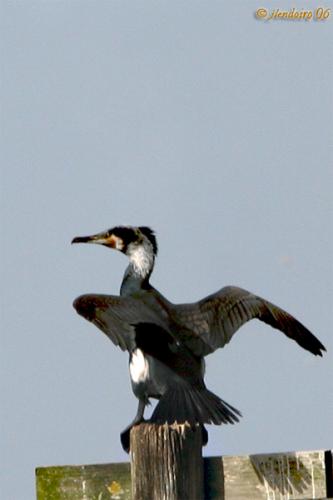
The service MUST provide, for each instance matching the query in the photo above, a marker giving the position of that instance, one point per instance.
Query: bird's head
(127, 239)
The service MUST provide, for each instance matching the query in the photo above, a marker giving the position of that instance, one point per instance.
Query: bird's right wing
(117, 317)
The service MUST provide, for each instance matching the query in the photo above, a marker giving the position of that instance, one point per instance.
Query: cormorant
(167, 342)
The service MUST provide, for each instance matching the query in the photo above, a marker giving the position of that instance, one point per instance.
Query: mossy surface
(93, 482)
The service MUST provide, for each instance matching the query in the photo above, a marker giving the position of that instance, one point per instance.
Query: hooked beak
(100, 238)
(105, 238)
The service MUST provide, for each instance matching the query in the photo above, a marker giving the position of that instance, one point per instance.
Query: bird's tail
(185, 403)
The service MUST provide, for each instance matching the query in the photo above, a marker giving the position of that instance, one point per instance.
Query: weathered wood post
(295, 475)
(166, 462)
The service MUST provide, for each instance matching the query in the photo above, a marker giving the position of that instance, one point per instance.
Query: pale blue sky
(213, 128)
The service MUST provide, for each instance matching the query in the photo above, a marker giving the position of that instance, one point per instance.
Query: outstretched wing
(117, 317)
(215, 319)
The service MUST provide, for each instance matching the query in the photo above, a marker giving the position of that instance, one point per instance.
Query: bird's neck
(138, 272)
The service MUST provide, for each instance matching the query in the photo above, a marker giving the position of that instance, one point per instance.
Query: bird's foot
(125, 435)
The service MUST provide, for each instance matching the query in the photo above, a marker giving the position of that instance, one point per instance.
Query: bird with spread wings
(167, 342)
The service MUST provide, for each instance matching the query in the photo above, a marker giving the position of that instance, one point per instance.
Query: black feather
(185, 403)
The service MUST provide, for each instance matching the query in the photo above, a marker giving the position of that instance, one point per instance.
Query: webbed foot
(126, 435)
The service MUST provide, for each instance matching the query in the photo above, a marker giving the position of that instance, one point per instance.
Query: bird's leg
(125, 435)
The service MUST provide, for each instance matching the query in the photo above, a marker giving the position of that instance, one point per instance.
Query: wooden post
(294, 475)
(166, 462)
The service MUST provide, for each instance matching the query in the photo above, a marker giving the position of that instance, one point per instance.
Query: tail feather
(185, 403)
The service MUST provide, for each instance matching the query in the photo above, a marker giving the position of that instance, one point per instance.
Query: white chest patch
(139, 367)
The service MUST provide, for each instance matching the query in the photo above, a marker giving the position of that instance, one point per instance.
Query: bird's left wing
(215, 319)
(117, 317)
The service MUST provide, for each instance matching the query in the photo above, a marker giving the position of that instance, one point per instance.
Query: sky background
(210, 126)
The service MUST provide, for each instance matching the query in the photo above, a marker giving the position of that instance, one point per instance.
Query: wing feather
(117, 317)
(215, 319)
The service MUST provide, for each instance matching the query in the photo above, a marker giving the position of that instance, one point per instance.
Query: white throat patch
(142, 258)
(139, 367)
